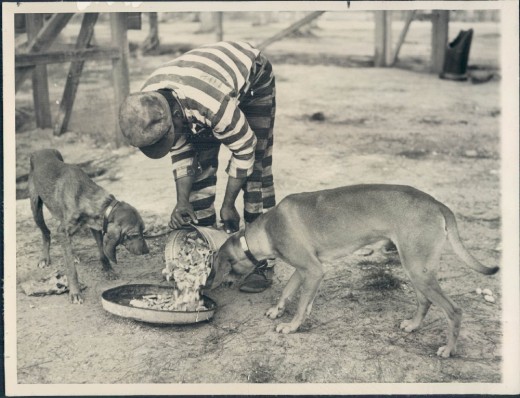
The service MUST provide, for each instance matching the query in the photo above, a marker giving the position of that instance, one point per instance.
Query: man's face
(178, 126)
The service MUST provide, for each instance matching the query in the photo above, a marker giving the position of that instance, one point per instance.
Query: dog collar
(245, 248)
(110, 208)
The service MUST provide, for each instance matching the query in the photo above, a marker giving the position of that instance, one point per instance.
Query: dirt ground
(398, 126)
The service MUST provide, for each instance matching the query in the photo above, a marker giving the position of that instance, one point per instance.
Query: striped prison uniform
(227, 92)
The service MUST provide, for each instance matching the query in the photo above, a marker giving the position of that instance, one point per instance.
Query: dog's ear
(221, 267)
(239, 262)
(111, 239)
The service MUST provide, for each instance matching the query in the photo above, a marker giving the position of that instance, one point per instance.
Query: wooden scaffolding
(33, 61)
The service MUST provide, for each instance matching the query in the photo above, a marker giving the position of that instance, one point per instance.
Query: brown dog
(308, 228)
(76, 201)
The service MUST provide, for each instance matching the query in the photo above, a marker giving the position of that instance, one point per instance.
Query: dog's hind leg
(420, 262)
(105, 262)
(37, 211)
(72, 274)
(423, 305)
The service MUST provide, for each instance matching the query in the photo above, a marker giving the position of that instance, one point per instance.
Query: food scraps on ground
(490, 299)
(54, 283)
(190, 272)
(486, 293)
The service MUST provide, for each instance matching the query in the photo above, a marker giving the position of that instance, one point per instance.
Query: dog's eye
(127, 237)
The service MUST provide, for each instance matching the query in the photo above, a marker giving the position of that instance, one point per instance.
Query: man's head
(146, 122)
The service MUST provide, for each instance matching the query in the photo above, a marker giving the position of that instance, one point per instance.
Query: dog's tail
(458, 247)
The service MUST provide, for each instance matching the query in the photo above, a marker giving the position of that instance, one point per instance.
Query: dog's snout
(137, 246)
(145, 249)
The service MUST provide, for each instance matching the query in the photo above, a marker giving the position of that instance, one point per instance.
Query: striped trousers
(259, 106)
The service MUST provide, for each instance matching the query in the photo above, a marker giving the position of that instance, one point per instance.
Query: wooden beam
(58, 57)
(120, 73)
(440, 24)
(409, 18)
(42, 42)
(383, 38)
(219, 25)
(295, 26)
(76, 67)
(40, 84)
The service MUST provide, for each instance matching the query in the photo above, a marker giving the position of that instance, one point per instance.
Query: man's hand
(231, 219)
(182, 214)
(229, 214)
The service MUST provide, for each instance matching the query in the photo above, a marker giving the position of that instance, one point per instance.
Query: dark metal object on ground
(117, 302)
(456, 58)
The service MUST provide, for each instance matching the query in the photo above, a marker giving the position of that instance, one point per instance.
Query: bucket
(457, 56)
(212, 236)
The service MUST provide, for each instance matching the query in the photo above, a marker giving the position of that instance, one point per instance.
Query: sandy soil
(381, 125)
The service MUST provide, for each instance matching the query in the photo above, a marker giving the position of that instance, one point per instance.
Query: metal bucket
(212, 236)
(457, 56)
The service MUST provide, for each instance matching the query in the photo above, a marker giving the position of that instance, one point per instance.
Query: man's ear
(110, 241)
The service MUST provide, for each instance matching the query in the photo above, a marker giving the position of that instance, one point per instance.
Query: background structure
(359, 101)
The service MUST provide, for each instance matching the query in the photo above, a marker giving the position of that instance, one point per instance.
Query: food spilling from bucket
(188, 264)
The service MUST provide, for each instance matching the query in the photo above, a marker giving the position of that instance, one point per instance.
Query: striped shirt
(207, 82)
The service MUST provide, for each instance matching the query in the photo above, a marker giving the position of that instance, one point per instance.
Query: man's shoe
(259, 280)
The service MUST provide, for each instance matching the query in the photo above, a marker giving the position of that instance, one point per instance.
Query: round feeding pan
(117, 302)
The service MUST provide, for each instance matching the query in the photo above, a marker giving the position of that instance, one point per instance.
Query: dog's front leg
(311, 280)
(287, 293)
(105, 262)
(72, 274)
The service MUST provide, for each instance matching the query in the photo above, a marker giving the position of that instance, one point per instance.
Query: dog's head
(231, 263)
(125, 226)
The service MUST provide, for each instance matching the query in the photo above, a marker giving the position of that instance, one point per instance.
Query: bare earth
(381, 126)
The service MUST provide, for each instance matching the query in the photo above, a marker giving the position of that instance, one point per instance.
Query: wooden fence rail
(42, 42)
(57, 57)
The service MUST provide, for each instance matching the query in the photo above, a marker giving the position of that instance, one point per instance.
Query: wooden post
(76, 67)
(152, 40)
(219, 25)
(383, 38)
(440, 23)
(40, 85)
(120, 74)
(42, 42)
(402, 36)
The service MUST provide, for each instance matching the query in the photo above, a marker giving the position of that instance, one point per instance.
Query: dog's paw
(110, 274)
(75, 298)
(44, 262)
(408, 325)
(286, 328)
(445, 351)
(274, 312)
